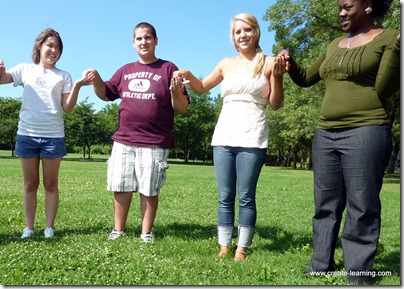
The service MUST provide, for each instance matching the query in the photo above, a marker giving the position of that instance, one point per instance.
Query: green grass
(185, 251)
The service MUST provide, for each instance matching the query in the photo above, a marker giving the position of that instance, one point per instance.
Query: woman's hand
(2, 69)
(281, 66)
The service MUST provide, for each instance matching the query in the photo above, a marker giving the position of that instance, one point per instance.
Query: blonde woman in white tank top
(250, 81)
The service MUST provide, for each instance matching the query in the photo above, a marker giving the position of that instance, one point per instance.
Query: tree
(83, 127)
(108, 120)
(306, 27)
(193, 130)
(9, 115)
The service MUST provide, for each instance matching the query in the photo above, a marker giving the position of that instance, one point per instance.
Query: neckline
(45, 69)
(149, 63)
(352, 48)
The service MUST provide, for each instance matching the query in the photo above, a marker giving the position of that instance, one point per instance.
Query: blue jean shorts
(31, 147)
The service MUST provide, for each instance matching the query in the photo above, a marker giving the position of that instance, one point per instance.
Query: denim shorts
(31, 147)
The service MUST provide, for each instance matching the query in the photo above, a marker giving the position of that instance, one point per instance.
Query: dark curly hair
(380, 8)
(41, 38)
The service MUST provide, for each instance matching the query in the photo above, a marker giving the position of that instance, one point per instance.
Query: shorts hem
(119, 190)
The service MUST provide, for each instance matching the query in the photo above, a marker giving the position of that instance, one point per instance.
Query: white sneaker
(116, 234)
(27, 233)
(49, 233)
(148, 237)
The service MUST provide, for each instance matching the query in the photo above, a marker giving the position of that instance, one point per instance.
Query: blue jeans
(348, 168)
(237, 167)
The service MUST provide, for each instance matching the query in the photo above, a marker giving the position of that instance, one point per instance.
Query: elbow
(198, 90)
(67, 110)
(181, 110)
(276, 103)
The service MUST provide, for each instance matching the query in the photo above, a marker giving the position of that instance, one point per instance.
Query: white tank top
(242, 121)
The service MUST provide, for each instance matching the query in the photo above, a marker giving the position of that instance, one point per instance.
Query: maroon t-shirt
(146, 115)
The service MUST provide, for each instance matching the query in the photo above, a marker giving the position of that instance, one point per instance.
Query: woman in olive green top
(352, 142)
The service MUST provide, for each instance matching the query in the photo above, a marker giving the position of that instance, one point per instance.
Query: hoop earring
(368, 10)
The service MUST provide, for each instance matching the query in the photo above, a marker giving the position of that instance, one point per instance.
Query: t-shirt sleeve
(112, 85)
(68, 83)
(16, 74)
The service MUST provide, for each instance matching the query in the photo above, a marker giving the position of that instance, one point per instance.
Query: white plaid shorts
(136, 169)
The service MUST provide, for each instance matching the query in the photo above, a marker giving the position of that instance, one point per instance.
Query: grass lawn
(185, 251)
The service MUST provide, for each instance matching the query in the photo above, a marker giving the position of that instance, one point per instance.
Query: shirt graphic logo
(139, 85)
(40, 81)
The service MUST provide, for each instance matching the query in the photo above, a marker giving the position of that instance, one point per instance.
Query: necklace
(352, 39)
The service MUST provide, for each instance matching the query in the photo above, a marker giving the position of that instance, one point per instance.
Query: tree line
(304, 27)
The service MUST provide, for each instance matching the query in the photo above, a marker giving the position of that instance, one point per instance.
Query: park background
(194, 36)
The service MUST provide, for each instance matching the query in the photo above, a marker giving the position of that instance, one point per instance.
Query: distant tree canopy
(9, 110)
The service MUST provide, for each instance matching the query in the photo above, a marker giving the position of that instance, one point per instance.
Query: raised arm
(278, 67)
(5, 77)
(69, 100)
(388, 78)
(202, 86)
(97, 82)
(299, 75)
(178, 100)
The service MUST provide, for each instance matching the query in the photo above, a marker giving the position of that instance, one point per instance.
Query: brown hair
(145, 25)
(41, 38)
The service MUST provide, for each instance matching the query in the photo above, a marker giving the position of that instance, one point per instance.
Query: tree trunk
(392, 163)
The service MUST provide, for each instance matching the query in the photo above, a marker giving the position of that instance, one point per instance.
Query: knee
(247, 202)
(31, 186)
(50, 186)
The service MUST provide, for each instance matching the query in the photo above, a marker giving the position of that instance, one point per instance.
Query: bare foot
(224, 250)
(240, 255)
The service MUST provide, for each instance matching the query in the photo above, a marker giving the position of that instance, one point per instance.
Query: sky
(98, 34)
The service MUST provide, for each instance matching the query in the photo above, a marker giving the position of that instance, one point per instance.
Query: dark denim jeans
(349, 166)
(237, 167)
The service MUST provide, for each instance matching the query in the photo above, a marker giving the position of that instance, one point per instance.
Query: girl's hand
(2, 69)
(176, 83)
(183, 75)
(281, 66)
(87, 79)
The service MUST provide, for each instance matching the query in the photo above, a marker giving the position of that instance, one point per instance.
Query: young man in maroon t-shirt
(149, 97)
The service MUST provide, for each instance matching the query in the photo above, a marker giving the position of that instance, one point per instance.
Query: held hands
(179, 80)
(88, 77)
(281, 66)
(176, 83)
(2, 68)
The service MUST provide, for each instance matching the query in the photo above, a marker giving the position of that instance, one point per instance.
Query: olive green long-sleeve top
(358, 81)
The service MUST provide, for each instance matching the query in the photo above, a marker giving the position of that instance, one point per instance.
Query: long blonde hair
(252, 21)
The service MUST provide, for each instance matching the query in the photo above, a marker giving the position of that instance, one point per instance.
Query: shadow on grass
(282, 240)
(59, 234)
(388, 262)
(187, 231)
(85, 160)
(391, 178)
(9, 158)
(190, 163)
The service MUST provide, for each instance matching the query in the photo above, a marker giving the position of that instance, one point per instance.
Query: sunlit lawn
(185, 251)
